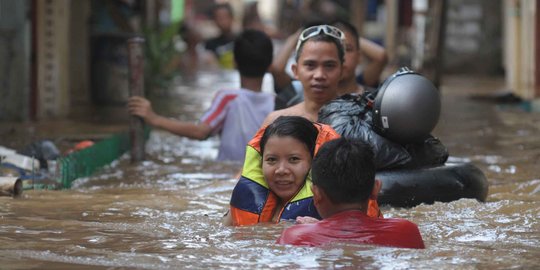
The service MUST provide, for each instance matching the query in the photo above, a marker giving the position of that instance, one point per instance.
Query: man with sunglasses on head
(289, 92)
(319, 63)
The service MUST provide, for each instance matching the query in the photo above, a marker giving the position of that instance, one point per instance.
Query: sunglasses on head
(316, 30)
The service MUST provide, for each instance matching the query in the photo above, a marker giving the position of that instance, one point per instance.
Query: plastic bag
(351, 116)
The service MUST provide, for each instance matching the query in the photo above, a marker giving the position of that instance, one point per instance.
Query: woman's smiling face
(286, 162)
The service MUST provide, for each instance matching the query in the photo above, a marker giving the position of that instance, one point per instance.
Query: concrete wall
(474, 37)
(14, 60)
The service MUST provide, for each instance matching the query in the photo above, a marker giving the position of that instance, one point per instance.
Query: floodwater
(165, 213)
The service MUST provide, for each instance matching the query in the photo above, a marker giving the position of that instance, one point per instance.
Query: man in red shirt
(343, 173)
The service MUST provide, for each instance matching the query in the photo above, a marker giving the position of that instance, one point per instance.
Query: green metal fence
(85, 162)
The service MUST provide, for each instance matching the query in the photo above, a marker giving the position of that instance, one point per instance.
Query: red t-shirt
(353, 226)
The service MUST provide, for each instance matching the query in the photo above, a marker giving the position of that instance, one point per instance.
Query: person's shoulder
(223, 97)
(256, 92)
(227, 92)
(271, 117)
(409, 234)
(230, 90)
(401, 222)
(291, 111)
(402, 225)
(408, 226)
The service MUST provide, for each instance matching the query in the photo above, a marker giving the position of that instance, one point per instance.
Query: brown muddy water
(165, 213)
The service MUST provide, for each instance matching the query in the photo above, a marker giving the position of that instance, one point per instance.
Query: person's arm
(142, 107)
(377, 60)
(277, 69)
(306, 220)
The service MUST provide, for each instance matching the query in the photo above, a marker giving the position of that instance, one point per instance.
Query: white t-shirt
(236, 114)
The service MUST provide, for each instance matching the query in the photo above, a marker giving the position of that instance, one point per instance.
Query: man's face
(319, 69)
(223, 20)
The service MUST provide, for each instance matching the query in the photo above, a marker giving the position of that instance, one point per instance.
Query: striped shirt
(236, 114)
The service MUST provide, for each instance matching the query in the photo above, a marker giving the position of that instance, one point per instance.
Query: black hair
(346, 26)
(253, 52)
(323, 38)
(216, 7)
(314, 22)
(345, 170)
(297, 127)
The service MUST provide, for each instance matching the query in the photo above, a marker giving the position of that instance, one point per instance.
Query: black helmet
(407, 107)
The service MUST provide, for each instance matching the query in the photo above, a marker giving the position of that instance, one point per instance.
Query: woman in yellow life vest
(276, 184)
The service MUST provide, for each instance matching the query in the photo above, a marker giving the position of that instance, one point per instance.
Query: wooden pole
(392, 11)
(136, 88)
(440, 37)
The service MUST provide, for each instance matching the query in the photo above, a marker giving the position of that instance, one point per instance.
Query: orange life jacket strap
(373, 209)
(269, 208)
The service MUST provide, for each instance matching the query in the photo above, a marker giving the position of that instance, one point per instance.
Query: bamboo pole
(537, 50)
(136, 88)
(10, 186)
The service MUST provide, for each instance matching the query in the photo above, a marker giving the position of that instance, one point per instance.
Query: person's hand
(306, 220)
(141, 107)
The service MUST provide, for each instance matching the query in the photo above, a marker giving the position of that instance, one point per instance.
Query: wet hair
(348, 27)
(253, 52)
(297, 127)
(314, 22)
(323, 38)
(345, 170)
(216, 7)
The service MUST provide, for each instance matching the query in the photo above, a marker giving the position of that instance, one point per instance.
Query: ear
(294, 68)
(376, 188)
(317, 195)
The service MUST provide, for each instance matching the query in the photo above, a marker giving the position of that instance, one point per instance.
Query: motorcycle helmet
(407, 107)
